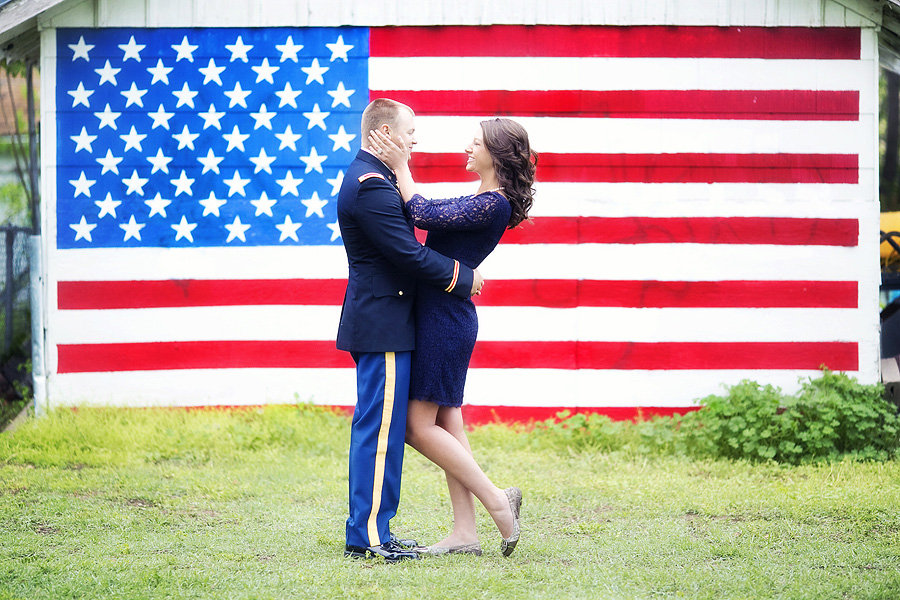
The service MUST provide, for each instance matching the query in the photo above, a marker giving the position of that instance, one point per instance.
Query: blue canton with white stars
(205, 137)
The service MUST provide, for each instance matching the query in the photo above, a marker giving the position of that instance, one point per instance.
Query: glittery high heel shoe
(514, 495)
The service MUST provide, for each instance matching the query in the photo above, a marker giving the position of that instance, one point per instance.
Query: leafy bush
(830, 417)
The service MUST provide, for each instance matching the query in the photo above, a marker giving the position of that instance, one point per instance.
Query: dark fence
(15, 309)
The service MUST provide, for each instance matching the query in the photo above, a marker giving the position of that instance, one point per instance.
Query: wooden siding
(269, 13)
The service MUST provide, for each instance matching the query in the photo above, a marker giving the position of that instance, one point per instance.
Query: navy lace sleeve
(454, 214)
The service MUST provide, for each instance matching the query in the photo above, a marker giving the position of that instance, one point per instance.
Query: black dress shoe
(390, 551)
(405, 544)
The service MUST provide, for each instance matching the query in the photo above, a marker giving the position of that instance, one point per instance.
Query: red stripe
(793, 105)
(661, 168)
(839, 356)
(696, 230)
(153, 356)
(553, 293)
(567, 293)
(485, 415)
(76, 295)
(647, 41)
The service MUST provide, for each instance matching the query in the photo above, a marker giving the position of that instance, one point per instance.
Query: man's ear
(385, 129)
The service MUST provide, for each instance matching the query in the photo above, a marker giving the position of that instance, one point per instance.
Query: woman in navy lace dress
(467, 229)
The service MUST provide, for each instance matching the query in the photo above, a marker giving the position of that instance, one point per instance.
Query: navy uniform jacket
(385, 262)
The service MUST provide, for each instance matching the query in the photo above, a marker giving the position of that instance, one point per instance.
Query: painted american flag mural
(703, 200)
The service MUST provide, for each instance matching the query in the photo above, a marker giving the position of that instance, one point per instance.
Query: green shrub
(830, 417)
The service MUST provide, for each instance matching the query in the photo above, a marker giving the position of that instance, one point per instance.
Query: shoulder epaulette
(370, 176)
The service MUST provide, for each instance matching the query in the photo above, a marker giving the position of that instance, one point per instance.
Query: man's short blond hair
(381, 111)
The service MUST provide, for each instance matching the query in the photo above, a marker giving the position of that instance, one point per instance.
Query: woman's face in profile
(479, 159)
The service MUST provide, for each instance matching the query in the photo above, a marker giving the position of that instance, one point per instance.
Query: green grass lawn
(251, 504)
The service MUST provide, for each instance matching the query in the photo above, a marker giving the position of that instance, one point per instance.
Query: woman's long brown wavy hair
(514, 163)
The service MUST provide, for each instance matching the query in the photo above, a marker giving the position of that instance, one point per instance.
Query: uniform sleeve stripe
(455, 276)
(369, 176)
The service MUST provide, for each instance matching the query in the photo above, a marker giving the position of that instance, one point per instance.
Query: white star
(236, 230)
(160, 162)
(107, 206)
(184, 50)
(288, 139)
(263, 205)
(132, 50)
(263, 162)
(83, 141)
(313, 160)
(210, 162)
(339, 49)
(342, 139)
(211, 205)
(135, 184)
(160, 118)
(237, 96)
(211, 118)
(236, 185)
(82, 185)
(157, 206)
(184, 229)
(185, 96)
(110, 162)
(133, 139)
(160, 72)
(238, 50)
(336, 183)
(235, 139)
(80, 95)
(134, 96)
(289, 184)
(183, 184)
(186, 138)
(263, 118)
(341, 95)
(316, 117)
(107, 74)
(83, 229)
(107, 118)
(289, 50)
(288, 229)
(314, 72)
(288, 95)
(335, 230)
(314, 205)
(81, 50)
(264, 71)
(211, 72)
(132, 229)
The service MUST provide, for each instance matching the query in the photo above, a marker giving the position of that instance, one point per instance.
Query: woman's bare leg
(446, 451)
(461, 499)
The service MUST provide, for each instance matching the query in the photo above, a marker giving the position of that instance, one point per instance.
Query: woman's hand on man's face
(387, 150)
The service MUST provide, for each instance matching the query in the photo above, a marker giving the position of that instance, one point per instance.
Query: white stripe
(684, 199)
(665, 262)
(488, 387)
(673, 262)
(552, 73)
(659, 136)
(583, 388)
(259, 262)
(669, 324)
(496, 323)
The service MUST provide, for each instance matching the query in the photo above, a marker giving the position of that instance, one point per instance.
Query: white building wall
(270, 13)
